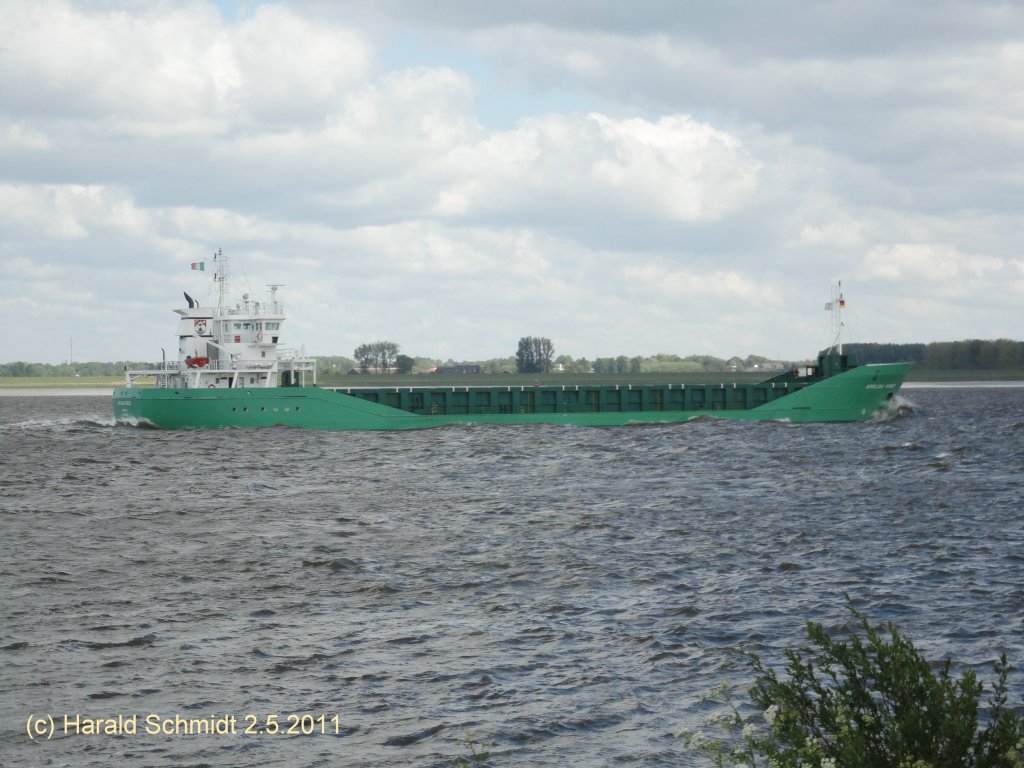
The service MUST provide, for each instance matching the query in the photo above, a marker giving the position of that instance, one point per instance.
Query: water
(564, 595)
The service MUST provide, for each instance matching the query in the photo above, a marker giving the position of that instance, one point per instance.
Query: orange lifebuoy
(211, 386)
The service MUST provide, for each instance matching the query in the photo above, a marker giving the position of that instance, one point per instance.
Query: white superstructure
(231, 346)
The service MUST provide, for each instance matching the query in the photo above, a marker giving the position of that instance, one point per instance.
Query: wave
(134, 421)
(88, 421)
(896, 408)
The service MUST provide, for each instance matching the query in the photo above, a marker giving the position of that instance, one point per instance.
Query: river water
(561, 595)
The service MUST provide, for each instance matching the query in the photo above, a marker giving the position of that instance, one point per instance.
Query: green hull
(855, 394)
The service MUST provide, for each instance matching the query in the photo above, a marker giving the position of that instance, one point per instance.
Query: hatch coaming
(708, 398)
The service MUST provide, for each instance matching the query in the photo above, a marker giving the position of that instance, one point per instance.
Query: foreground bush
(868, 701)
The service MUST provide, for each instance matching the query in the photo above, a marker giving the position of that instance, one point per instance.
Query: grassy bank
(59, 382)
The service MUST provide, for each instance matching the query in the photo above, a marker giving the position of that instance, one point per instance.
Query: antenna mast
(273, 297)
(836, 306)
(221, 277)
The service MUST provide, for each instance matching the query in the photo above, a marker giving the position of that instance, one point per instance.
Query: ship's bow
(854, 395)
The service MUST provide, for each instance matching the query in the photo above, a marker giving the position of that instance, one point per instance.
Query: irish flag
(200, 265)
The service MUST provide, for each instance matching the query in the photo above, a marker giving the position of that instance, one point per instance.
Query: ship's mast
(836, 306)
(221, 277)
(273, 297)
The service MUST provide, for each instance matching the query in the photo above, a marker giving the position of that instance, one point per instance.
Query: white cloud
(928, 262)
(686, 168)
(729, 285)
(20, 137)
(142, 67)
(578, 167)
(841, 232)
(64, 212)
(166, 70)
(291, 68)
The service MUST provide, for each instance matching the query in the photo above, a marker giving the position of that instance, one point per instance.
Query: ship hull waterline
(854, 395)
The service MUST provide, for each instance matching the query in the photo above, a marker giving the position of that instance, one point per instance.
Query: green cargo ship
(231, 371)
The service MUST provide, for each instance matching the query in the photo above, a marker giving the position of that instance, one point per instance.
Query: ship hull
(854, 395)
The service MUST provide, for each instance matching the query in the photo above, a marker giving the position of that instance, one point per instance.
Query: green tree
(384, 353)
(364, 357)
(1011, 353)
(534, 355)
(404, 363)
(580, 365)
(379, 356)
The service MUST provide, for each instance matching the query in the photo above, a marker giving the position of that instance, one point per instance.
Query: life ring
(211, 386)
(200, 327)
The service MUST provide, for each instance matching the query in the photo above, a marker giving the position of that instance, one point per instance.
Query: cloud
(679, 284)
(929, 262)
(656, 178)
(149, 67)
(165, 70)
(274, 50)
(19, 137)
(674, 169)
(66, 211)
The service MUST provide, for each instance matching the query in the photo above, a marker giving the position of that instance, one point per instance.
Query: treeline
(667, 363)
(23, 369)
(971, 354)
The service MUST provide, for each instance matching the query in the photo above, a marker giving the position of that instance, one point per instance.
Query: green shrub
(867, 701)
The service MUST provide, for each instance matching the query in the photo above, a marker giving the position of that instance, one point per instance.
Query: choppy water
(562, 594)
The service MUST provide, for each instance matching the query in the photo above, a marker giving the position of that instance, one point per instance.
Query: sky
(666, 176)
